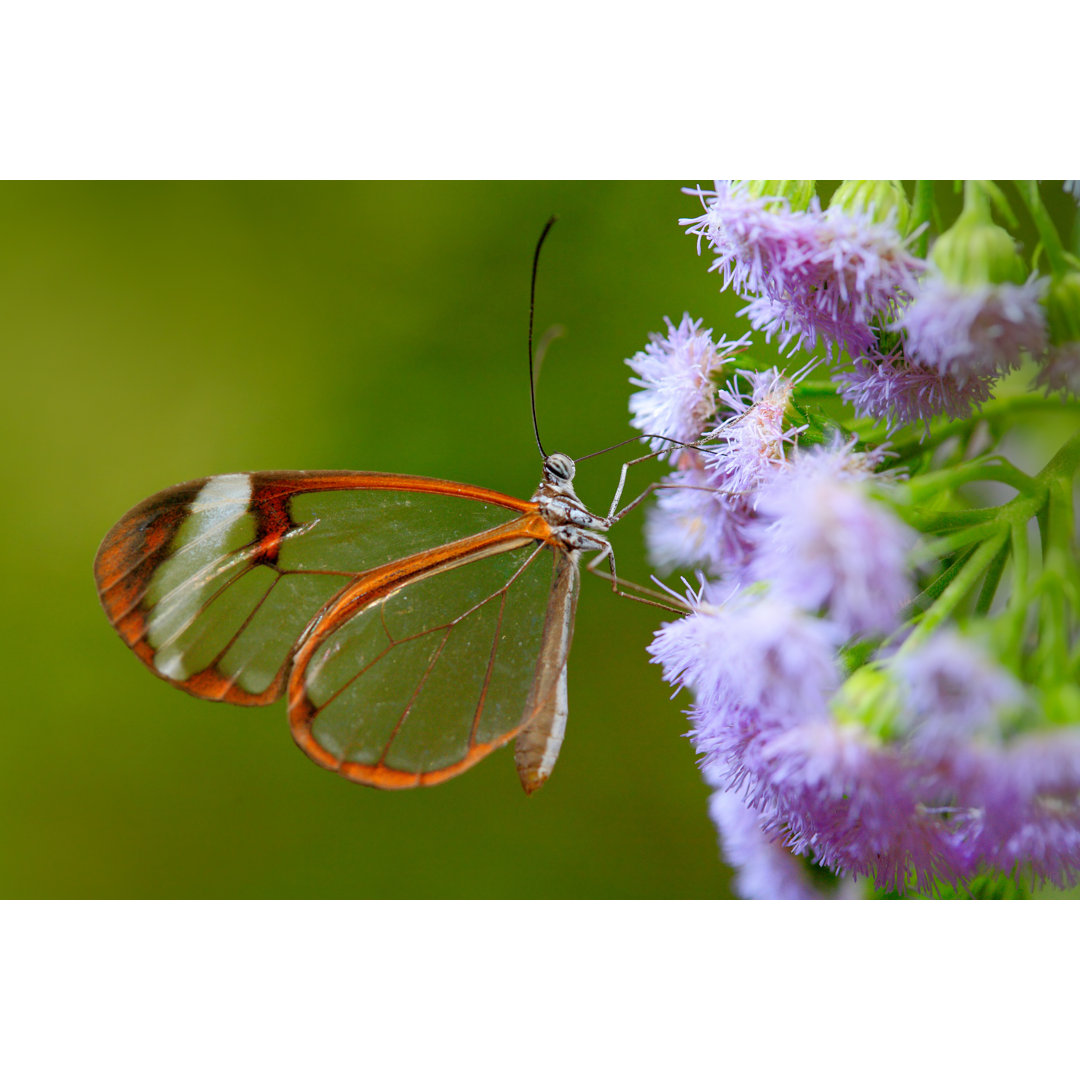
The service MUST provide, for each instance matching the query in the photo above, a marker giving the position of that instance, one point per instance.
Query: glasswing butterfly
(413, 624)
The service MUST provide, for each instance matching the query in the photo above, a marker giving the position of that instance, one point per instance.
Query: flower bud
(797, 192)
(1063, 308)
(881, 199)
(870, 699)
(977, 252)
(1060, 703)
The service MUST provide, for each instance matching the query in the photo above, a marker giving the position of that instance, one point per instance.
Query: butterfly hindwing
(410, 677)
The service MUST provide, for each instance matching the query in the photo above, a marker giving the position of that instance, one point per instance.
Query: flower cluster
(904, 776)
(923, 338)
(867, 695)
(677, 395)
(807, 274)
(706, 505)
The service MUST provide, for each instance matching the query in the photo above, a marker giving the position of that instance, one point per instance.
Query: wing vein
(415, 694)
(232, 679)
(478, 711)
(195, 615)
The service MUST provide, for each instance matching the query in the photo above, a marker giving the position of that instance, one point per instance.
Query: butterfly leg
(622, 483)
(642, 594)
(612, 516)
(619, 586)
(606, 551)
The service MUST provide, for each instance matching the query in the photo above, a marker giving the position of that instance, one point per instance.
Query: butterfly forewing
(212, 583)
(421, 683)
(355, 530)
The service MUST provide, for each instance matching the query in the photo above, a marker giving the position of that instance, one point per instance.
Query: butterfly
(414, 624)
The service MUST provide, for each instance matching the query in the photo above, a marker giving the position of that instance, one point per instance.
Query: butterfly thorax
(560, 507)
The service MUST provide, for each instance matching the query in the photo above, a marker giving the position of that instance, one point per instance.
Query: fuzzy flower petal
(678, 396)
(752, 652)
(751, 236)
(1061, 370)
(695, 524)
(1026, 805)
(747, 448)
(700, 518)
(835, 792)
(764, 868)
(953, 691)
(899, 392)
(968, 332)
(824, 543)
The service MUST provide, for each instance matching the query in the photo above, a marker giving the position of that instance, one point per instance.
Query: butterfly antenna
(532, 306)
(647, 435)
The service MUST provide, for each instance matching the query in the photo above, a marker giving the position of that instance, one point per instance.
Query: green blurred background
(154, 333)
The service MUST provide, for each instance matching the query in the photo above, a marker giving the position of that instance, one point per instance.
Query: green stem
(991, 582)
(936, 587)
(1018, 538)
(1016, 613)
(938, 522)
(960, 586)
(962, 538)
(1064, 463)
(1051, 657)
(1048, 496)
(920, 215)
(1048, 234)
(975, 201)
(998, 415)
(920, 488)
(1060, 562)
(816, 388)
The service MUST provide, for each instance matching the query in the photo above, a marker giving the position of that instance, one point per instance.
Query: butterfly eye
(559, 467)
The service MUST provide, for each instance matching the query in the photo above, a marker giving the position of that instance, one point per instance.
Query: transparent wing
(420, 684)
(212, 583)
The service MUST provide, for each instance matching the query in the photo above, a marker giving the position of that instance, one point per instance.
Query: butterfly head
(559, 470)
(559, 503)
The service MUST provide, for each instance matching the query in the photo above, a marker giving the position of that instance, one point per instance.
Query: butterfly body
(405, 616)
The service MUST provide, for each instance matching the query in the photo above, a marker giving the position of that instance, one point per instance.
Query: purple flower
(694, 524)
(953, 692)
(945, 797)
(973, 332)
(824, 543)
(700, 519)
(747, 447)
(856, 805)
(764, 868)
(893, 389)
(913, 766)
(807, 273)
(833, 792)
(750, 651)
(750, 235)
(1061, 369)
(678, 396)
(1025, 797)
